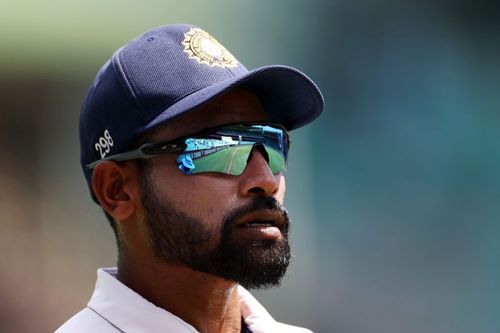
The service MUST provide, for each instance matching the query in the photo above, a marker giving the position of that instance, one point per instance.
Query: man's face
(234, 227)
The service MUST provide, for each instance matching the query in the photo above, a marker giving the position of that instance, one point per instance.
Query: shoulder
(259, 320)
(86, 321)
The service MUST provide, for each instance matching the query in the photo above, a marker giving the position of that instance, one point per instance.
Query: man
(184, 149)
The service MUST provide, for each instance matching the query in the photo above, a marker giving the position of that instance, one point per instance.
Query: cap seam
(230, 71)
(122, 76)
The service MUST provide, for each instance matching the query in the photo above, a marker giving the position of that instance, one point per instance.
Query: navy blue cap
(171, 70)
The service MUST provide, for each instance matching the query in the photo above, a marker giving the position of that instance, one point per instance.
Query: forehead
(238, 105)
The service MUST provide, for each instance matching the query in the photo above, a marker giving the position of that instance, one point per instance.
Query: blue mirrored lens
(227, 149)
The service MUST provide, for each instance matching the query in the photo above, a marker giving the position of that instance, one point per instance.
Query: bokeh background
(394, 191)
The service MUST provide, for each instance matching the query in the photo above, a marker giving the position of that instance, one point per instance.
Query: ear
(116, 188)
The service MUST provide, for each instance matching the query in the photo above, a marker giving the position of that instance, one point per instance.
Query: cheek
(203, 196)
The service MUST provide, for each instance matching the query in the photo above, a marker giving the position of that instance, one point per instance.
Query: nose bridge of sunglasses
(261, 149)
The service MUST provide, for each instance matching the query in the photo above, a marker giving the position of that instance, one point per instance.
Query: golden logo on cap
(199, 45)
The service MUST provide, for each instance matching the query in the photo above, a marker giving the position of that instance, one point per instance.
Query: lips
(259, 224)
(262, 219)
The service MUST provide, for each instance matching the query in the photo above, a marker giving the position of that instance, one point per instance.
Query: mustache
(256, 204)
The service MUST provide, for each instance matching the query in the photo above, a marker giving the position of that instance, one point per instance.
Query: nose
(257, 179)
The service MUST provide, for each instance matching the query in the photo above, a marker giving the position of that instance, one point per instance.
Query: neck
(207, 302)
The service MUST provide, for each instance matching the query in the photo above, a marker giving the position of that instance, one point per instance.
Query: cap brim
(288, 96)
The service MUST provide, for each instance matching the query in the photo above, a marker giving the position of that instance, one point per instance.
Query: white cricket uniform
(116, 308)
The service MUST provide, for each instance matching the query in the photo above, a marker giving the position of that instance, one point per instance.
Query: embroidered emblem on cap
(200, 45)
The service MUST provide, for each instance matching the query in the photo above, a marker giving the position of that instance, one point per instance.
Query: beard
(179, 238)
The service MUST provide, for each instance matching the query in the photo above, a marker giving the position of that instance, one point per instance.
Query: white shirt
(116, 308)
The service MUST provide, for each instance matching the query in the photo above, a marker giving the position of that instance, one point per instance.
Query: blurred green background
(394, 192)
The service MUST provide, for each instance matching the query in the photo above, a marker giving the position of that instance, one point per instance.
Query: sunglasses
(225, 149)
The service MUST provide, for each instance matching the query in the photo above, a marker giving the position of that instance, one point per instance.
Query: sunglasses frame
(176, 146)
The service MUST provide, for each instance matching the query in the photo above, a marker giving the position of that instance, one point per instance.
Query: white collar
(130, 312)
(127, 310)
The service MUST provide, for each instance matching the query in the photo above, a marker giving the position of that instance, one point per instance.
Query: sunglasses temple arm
(126, 156)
